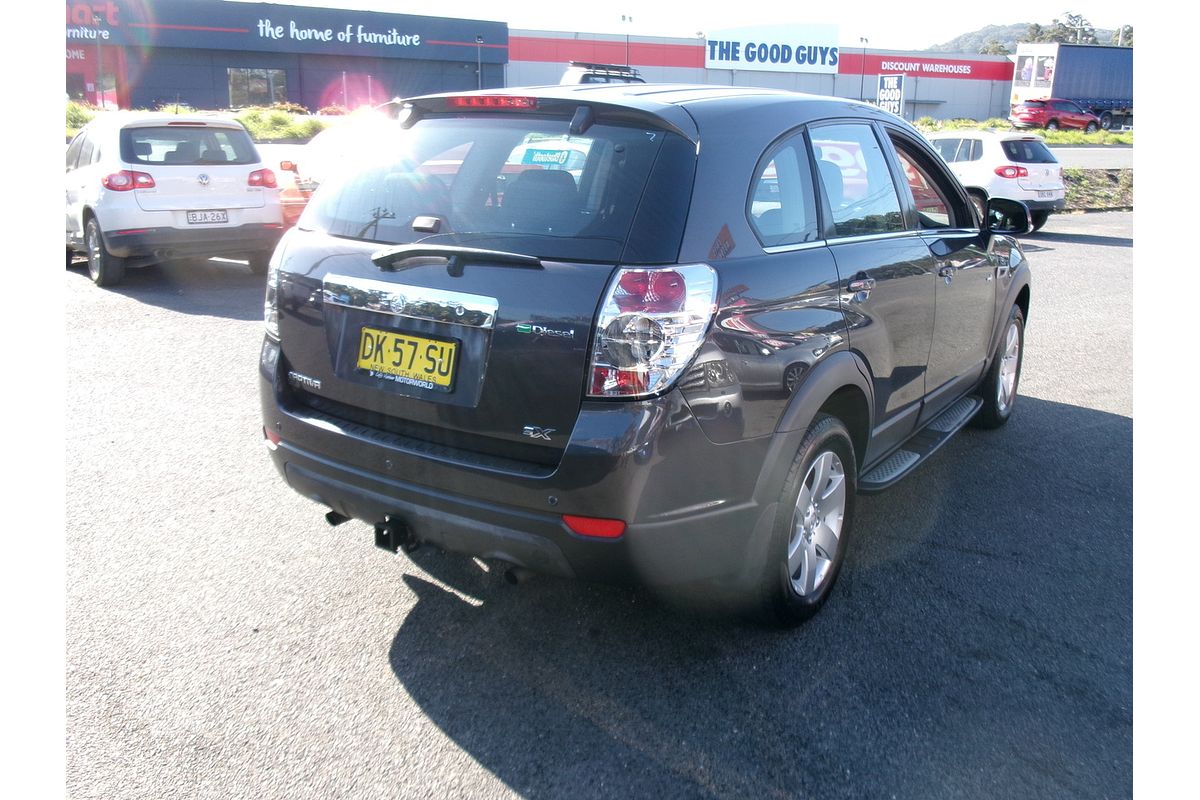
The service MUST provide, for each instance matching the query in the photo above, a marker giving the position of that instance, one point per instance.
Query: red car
(1052, 114)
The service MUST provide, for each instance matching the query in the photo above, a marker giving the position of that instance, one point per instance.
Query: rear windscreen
(187, 145)
(522, 184)
(1032, 104)
(1028, 152)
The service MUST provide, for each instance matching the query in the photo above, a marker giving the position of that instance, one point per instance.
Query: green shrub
(78, 115)
(269, 124)
(291, 108)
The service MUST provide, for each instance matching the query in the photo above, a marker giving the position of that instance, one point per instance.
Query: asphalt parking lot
(223, 641)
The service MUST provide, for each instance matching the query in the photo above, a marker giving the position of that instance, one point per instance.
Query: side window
(782, 209)
(86, 151)
(976, 150)
(73, 151)
(932, 209)
(948, 149)
(857, 182)
(933, 191)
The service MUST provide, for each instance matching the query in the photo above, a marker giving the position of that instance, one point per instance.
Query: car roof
(686, 105)
(984, 133)
(141, 119)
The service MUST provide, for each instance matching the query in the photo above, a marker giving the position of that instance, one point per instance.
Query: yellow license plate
(404, 358)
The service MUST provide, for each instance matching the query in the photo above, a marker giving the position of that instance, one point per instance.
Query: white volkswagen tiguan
(146, 188)
(1008, 164)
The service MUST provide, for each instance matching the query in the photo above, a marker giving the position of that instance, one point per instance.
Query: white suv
(1016, 166)
(145, 188)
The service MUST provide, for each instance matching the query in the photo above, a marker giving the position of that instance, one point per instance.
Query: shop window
(256, 87)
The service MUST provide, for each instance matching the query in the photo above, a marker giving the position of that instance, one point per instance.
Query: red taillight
(262, 177)
(1012, 172)
(491, 101)
(595, 527)
(613, 381)
(649, 328)
(127, 180)
(273, 438)
(651, 291)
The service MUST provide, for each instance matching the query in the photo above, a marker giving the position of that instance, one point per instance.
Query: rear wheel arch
(849, 404)
(1022, 301)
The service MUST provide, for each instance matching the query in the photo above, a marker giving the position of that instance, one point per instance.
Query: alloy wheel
(1010, 363)
(817, 524)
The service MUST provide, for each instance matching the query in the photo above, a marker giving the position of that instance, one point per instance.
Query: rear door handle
(861, 285)
(946, 272)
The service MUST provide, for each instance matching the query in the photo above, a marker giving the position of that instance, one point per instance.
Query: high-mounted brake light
(127, 180)
(649, 329)
(492, 101)
(262, 177)
(1012, 172)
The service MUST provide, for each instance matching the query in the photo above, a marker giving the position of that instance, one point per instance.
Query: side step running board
(920, 446)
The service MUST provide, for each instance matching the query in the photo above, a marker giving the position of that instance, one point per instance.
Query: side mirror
(1007, 216)
(288, 166)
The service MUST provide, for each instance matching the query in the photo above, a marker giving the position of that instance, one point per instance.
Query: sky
(879, 21)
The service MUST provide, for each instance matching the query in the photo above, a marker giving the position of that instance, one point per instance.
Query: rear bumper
(638, 462)
(1046, 205)
(188, 242)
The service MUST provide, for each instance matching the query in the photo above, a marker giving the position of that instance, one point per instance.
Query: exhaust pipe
(517, 575)
(393, 535)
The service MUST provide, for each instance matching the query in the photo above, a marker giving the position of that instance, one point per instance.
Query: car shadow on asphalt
(980, 636)
(212, 288)
(1031, 242)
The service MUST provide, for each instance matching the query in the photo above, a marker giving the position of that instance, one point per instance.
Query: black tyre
(999, 386)
(1039, 219)
(259, 263)
(1106, 121)
(1092, 127)
(105, 269)
(1052, 125)
(812, 525)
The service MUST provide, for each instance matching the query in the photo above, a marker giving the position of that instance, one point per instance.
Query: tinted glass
(947, 149)
(783, 209)
(510, 183)
(932, 209)
(185, 145)
(1028, 152)
(857, 181)
(86, 151)
(1032, 104)
(73, 150)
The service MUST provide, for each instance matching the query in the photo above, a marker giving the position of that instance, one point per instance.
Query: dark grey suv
(638, 332)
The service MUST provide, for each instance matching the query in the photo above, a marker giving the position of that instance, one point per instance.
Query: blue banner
(270, 28)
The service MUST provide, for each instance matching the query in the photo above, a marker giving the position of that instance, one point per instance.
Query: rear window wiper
(455, 258)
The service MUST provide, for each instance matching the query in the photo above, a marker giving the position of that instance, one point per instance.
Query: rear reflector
(492, 101)
(273, 438)
(595, 527)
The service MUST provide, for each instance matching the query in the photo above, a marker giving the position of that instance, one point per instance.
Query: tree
(994, 48)
(1123, 36)
(1035, 33)
(1075, 29)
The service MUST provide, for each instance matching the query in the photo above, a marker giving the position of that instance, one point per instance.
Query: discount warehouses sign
(782, 48)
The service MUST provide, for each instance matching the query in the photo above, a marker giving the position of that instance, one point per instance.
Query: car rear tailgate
(487, 355)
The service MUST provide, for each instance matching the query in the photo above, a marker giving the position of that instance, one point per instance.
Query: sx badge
(537, 433)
